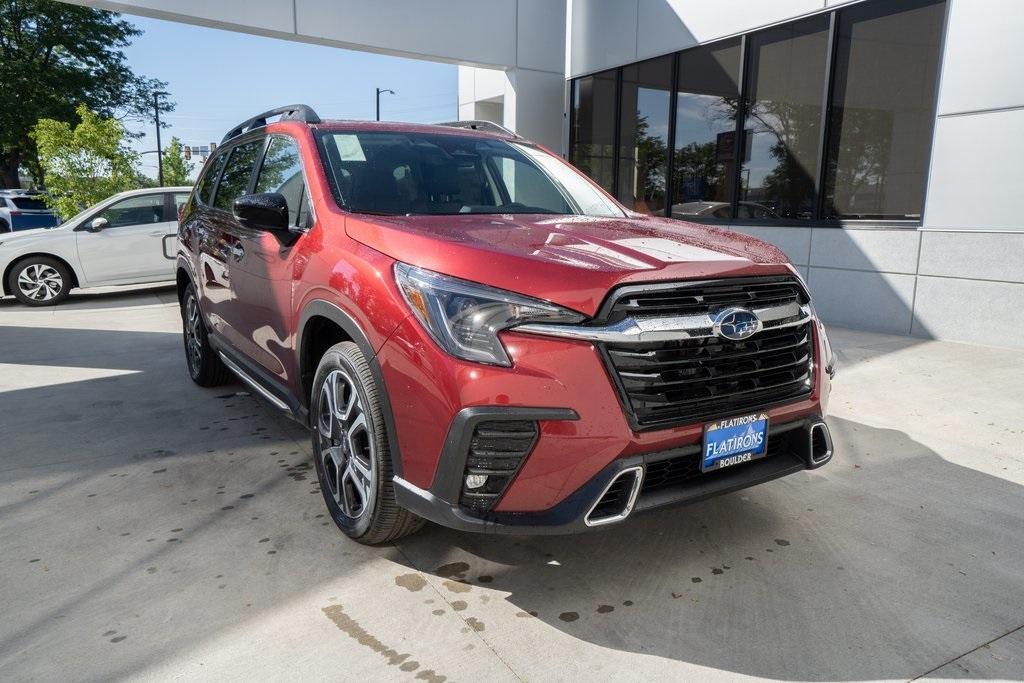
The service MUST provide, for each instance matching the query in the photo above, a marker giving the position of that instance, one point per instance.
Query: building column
(528, 101)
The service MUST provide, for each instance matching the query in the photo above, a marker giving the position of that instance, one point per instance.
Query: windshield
(437, 174)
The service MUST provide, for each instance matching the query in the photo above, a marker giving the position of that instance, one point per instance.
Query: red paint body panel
(256, 303)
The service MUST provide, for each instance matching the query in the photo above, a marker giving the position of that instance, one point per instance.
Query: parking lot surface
(151, 529)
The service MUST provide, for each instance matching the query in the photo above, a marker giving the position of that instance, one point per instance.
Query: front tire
(351, 450)
(40, 281)
(204, 365)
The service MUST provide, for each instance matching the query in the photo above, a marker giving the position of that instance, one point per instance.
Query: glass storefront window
(883, 96)
(707, 95)
(786, 69)
(846, 138)
(643, 138)
(593, 127)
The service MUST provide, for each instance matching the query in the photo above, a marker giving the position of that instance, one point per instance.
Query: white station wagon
(127, 239)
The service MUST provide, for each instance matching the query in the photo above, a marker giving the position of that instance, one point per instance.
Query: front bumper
(792, 448)
(583, 437)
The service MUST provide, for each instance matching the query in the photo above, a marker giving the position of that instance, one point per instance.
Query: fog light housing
(475, 481)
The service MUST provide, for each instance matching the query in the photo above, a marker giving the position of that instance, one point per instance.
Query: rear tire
(204, 365)
(351, 450)
(39, 281)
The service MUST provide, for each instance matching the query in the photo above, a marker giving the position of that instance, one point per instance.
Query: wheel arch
(11, 266)
(321, 326)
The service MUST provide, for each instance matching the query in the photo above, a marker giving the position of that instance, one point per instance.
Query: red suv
(480, 336)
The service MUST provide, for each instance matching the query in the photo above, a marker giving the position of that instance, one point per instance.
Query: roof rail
(291, 112)
(483, 126)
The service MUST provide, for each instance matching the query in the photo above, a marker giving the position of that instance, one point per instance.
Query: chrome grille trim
(644, 330)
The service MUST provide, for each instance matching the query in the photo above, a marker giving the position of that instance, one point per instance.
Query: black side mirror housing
(263, 211)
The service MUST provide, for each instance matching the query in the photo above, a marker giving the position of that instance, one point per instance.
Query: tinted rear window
(28, 204)
(237, 173)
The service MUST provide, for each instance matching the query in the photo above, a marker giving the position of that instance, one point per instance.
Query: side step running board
(253, 384)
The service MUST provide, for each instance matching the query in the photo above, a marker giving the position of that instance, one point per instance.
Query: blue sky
(220, 78)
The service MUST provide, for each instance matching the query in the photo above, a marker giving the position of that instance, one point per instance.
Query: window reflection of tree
(858, 162)
(703, 170)
(788, 188)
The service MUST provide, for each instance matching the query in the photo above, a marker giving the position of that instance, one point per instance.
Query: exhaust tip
(821, 443)
(618, 498)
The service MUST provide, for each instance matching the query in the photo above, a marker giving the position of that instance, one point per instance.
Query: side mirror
(264, 211)
(98, 223)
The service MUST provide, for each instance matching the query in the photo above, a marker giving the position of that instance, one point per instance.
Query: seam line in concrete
(902, 272)
(990, 110)
(913, 296)
(446, 601)
(989, 642)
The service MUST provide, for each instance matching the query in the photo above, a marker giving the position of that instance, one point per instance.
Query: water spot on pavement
(569, 616)
(264, 540)
(411, 582)
(160, 471)
(459, 605)
(354, 630)
(452, 570)
(485, 579)
(437, 612)
(35, 560)
(696, 579)
(151, 570)
(475, 624)
(716, 571)
(604, 609)
(781, 541)
(174, 531)
(118, 639)
(247, 495)
(109, 633)
(410, 666)
(457, 586)
(627, 603)
(228, 507)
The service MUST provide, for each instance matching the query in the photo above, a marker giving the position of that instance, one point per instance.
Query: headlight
(464, 318)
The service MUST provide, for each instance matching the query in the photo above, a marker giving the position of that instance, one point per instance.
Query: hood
(572, 261)
(23, 237)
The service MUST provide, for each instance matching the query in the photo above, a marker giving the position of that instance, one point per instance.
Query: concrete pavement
(151, 529)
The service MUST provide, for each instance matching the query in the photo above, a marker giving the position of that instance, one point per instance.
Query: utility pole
(379, 91)
(159, 150)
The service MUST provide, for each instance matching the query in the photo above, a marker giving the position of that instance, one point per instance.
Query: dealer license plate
(734, 441)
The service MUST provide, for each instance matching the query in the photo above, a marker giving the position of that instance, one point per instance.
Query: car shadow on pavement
(100, 298)
(879, 565)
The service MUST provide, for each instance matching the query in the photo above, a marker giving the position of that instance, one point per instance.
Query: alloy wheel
(193, 334)
(346, 446)
(40, 282)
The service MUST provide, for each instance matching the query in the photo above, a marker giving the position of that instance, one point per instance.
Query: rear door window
(204, 188)
(237, 173)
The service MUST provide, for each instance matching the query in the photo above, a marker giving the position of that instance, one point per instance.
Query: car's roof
(402, 127)
(154, 190)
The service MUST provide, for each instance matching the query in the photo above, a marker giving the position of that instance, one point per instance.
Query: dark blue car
(24, 210)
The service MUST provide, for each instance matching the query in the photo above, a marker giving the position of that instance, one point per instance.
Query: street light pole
(159, 149)
(379, 91)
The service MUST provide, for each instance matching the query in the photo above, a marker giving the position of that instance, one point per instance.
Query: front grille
(497, 449)
(700, 297)
(683, 381)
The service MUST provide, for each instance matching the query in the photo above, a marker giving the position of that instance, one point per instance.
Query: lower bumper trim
(570, 516)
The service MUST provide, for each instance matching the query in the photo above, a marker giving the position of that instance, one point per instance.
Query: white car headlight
(464, 317)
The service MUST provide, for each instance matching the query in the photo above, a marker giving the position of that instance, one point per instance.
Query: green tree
(177, 170)
(53, 57)
(84, 164)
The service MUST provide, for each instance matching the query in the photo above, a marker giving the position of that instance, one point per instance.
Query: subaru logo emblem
(736, 324)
